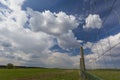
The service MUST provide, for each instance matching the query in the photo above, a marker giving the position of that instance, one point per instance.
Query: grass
(38, 74)
(54, 74)
(107, 74)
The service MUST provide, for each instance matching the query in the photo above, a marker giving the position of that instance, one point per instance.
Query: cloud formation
(21, 45)
(68, 41)
(93, 21)
(59, 25)
(52, 23)
(105, 52)
(27, 36)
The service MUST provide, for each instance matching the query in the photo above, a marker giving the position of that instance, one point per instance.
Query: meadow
(54, 74)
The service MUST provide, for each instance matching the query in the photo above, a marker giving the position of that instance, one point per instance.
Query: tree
(10, 66)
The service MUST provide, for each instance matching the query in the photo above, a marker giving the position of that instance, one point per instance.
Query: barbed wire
(111, 9)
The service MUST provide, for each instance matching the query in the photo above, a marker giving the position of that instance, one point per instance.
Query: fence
(105, 48)
(84, 74)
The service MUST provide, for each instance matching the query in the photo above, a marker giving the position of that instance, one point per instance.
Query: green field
(53, 74)
(38, 74)
(107, 74)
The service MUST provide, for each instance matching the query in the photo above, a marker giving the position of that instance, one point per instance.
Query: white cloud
(13, 18)
(99, 55)
(68, 41)
(13, 4)
(52, 23)
(22, 46)
(93, 21)
(54, 60)
(105, 44)
(59, 25)
(63, 60)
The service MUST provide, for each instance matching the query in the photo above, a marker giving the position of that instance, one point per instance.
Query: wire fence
(104, 51)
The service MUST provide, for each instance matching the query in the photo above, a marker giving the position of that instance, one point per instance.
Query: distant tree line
(12, 66)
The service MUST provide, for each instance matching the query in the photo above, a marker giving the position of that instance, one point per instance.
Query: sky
(49, 33)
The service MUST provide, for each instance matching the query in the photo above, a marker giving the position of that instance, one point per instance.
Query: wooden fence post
(82, 64)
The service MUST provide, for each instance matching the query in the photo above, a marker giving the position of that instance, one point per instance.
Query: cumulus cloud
(59, 25)
(68, 41)
(93, 21)
(106, 50)
(23, 46)
(52, 23)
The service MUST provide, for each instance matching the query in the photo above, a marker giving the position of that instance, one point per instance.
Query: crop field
(54, 74)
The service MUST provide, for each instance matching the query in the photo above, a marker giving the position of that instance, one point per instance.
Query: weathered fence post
(82, 64)
(84, 74)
